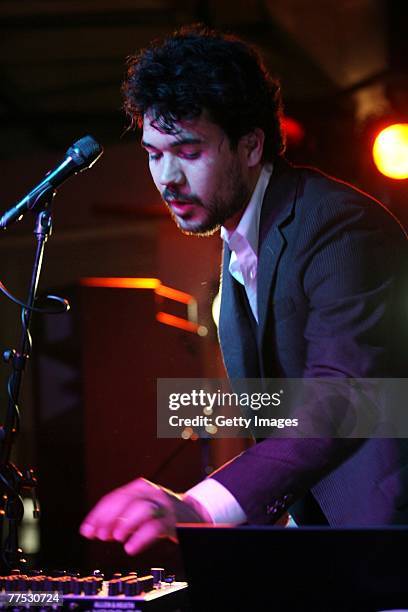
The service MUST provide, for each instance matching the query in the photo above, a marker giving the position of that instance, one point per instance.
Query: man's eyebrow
(189, 140)
(186, 140)
(147, 145)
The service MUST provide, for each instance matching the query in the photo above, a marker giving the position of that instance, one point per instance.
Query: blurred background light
(390, 151)
(215, 309)
(293, 130)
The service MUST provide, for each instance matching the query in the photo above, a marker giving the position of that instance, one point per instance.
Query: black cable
(55, 298)
(64, 307)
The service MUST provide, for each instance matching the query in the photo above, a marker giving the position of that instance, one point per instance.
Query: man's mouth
(180, 207)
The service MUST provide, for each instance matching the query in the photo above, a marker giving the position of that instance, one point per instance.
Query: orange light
(138, 283)
(121, 283)
(390, 151)
(174, 294)
(189, 324)
(169, 319)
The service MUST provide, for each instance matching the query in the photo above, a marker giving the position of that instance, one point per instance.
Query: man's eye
(195, 155)
(154, 156)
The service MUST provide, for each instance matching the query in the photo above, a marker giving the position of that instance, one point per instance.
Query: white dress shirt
(220, 504)
(243, 241)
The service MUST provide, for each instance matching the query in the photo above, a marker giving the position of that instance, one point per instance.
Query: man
(311, 287)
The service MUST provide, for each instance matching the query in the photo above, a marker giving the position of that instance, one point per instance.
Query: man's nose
(172, 173)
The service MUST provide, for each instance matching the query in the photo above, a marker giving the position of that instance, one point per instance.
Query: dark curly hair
(197, 68)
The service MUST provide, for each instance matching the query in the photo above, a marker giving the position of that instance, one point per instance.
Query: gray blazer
(332, 301)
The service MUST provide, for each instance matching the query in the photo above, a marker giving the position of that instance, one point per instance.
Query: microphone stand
(12, 481)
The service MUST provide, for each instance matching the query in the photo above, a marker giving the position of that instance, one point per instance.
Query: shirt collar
(248, 226)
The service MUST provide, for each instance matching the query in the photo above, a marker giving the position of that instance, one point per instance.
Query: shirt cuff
(220, 504)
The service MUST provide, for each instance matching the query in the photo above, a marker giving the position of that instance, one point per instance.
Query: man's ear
(253, 144)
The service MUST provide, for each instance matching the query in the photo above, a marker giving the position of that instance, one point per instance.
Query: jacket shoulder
(323, 197)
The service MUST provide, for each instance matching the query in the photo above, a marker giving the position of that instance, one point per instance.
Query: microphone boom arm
(82, 155)
(10, 480)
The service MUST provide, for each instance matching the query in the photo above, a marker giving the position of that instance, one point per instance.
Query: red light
(293, 130)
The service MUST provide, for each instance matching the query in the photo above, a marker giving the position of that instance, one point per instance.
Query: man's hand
(139, 513)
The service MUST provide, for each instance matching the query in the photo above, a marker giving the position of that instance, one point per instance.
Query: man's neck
(232, 223)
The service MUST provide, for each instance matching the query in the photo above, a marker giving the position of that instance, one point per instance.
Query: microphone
(82, 155)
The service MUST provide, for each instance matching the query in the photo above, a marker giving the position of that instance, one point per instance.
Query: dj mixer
(69, 591)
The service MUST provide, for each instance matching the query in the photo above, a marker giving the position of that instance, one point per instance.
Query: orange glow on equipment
(190, 324)
(169, 319)
(121, 283)
(390, 151)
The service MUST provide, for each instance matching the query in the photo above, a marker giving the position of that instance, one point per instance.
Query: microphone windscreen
(85, 151)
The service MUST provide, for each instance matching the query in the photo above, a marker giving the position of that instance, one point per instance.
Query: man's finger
(105, 513)
(132, 519)
(147, 534)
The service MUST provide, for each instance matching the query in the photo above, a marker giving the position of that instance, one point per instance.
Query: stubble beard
(219, 209)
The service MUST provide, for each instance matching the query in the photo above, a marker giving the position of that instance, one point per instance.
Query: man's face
(203, 182)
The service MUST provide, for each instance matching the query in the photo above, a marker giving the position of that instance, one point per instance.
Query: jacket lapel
(237, 339)
(238, 342)
(277, 209)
